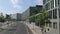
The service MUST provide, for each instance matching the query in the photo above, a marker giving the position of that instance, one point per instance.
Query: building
(26, 15)
(1, 14)
(35, 10)
(7, 16)
(31, 11)
(53, 7)
(16, 16)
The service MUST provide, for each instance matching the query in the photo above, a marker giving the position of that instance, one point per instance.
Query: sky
(17, 6)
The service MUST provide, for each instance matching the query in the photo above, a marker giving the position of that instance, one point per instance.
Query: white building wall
(26, 15)
(14, 16)
(57, 20)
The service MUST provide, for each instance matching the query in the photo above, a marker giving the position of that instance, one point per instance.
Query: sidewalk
(6, 26)
(35, 29)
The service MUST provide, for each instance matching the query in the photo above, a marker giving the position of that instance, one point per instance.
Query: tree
(42, 17)
(10, 19)
(32, 18)
(2, 19)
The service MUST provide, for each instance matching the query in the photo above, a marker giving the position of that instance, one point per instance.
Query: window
(52, 4)
(55, 3)
(59, 3)
(55, 13)
(50, 24)
(50, 14)
(44, 1)
(47, 6)
(46, 24)
(54, 25)
(59, 12)
(47, 0)
(59, 25)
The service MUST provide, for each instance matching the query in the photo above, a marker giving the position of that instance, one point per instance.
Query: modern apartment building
(31, 11)
(16, 16)
(53, 7)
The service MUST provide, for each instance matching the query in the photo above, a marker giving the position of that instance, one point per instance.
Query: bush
(2, 19)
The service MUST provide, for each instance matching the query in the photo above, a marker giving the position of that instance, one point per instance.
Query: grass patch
(2, 29)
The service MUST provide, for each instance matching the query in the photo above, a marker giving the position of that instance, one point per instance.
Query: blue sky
(17, 6)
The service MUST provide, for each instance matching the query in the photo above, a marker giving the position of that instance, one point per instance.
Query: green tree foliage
(2, 19)
(10, 19)
(43, 17)
(32, 19)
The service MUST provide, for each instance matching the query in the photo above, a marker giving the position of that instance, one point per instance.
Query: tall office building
(53, 7)
(31, 11)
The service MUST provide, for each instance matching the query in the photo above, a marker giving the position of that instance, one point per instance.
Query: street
(17, 28)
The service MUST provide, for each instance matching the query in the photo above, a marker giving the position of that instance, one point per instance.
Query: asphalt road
(17, 28)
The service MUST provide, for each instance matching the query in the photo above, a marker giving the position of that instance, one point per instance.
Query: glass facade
(59, 12)
(44, 1)
(47, 6)
(52, 4)
(55, 25)
(50, 24)
(47, 0)
(59, 25)
(55, 3)
(50, 14)
(55, 13)
(53, 7)
(59, 3)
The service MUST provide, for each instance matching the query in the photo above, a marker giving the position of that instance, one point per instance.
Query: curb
(31, 29)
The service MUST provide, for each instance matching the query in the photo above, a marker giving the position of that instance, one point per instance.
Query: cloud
(15, 5)
(39, 2)
(18, 7)
(14, 2)
(27, 0)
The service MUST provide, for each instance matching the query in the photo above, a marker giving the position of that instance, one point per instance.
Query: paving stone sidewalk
(35, 29)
